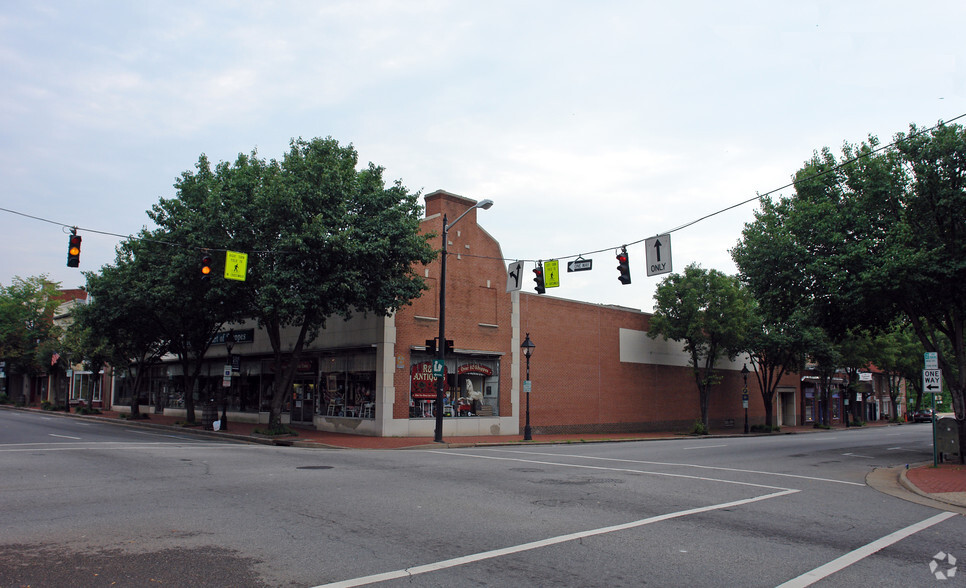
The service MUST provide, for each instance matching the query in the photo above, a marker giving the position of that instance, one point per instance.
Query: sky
(591, 125)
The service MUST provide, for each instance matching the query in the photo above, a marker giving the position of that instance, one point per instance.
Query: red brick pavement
(946, 477)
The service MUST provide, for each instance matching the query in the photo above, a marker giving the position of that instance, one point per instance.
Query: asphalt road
(98, 504)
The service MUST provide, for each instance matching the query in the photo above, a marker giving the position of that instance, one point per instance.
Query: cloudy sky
(589, 124)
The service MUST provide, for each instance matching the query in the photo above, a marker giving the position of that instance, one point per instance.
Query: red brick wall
(478, 308)
(579, 382)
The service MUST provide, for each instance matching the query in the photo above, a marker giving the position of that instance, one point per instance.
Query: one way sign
(658, 254)
(932, 381)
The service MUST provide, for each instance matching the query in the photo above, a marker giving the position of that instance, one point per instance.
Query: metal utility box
(947, 438)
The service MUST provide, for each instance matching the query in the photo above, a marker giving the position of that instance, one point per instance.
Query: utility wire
(755, 198)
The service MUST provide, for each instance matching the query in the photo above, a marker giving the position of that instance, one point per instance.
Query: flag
(54, 358)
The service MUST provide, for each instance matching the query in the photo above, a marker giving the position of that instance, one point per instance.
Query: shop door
(303, 402)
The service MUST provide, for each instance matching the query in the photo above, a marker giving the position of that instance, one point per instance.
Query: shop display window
(471, 387)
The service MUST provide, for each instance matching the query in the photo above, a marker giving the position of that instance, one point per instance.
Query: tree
(879, 234)
(324, 240)
(119, 314)
(775, 347)
(898, 353)
(26, 311)
(711, 314)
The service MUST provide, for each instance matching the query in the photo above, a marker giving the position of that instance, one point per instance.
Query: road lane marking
(64, 436)
(550, 541)
(609, 469)
(683, 465)
(857, 455)
(703, 447)
(822, 572)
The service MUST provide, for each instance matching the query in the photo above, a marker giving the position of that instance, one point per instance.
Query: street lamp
(229, 345)
(441, 342)
(744, 393)
(528, 348)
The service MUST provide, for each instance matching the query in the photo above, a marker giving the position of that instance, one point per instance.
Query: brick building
(593, 369)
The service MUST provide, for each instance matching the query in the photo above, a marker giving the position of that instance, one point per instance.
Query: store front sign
(423, 382)
(475, 368)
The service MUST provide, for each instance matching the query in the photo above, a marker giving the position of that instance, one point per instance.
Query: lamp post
(229, 345)
(744, 393)
(441, 342)
(528, 348)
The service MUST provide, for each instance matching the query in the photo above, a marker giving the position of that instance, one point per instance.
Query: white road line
(627, 470)
(114, 445)
(822, 572)
(857, 455)
(683, 465)
(64, 436)
(472, 558)
(703, 447)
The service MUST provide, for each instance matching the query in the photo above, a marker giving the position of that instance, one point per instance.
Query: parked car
(922, 416)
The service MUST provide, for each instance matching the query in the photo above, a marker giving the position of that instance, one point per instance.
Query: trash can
(209, 415)
(947, 439)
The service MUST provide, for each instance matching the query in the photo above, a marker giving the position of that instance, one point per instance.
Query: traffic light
(538, 278)
(73, 250)
(206, 267)
(431, 346)
(623, 266)
(448, 347)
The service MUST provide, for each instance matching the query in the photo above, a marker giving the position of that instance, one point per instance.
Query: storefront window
(347, 384)
(471, 387)
(809, 405)
(81, 388)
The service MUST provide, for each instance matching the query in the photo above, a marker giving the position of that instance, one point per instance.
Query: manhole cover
(314, 468)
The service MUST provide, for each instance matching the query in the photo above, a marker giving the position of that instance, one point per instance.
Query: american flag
(54, 358)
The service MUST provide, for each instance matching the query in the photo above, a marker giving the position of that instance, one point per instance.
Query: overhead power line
(755, 198)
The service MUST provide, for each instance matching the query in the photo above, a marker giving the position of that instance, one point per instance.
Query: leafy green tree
(26, 311)
(324, 240)
(81, 344)
(775, 348)
(119, 315)
(711, 314)
(189, 310)
(878, 234)
(898, 353)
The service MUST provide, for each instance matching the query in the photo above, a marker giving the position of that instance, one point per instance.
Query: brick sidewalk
(946, 477)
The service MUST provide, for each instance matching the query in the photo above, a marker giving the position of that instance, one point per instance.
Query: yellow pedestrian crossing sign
(551, 274)
(236, 265)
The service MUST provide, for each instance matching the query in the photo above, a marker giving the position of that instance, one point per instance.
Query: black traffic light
(538, 278)
(206, 267)
(624, 267)
(73, 250)
(448, 347)
(431, 346)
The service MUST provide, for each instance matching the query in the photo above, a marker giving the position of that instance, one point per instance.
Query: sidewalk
(945, 483)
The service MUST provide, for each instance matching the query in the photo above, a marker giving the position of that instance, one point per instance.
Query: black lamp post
(229, 345)
(441, 342)
(744, 393)
(528, 348)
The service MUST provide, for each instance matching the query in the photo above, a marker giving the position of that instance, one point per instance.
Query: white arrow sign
(932, 381)
(657, 250)
(514, 276)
